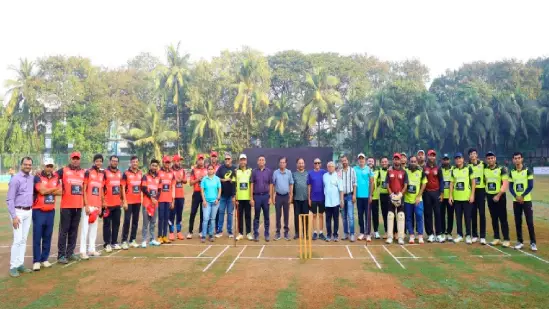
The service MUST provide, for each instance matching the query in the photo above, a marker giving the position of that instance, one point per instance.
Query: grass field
(188, 274)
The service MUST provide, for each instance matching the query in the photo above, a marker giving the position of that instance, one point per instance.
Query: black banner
(292, 154)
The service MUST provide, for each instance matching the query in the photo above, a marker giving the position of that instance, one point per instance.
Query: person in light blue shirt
(333, 195)
(364, 190)
(211, 193)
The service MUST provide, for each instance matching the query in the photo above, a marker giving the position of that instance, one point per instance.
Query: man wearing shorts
(316, 198)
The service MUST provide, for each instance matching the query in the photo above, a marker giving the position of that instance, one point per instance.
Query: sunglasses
(317, 162)
(227, 159)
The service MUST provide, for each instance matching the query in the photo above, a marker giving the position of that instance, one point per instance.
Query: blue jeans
(42, 230)
(348, 215)
(418, 211)
(225, 204)
(210, 213)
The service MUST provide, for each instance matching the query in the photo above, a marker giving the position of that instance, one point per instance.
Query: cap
(166, 159)
(228, 155)
(445, 156)
(361, 155)
(396, 155)
(420, 151)
(213, 154)
(76, 154)
(48, 161)
(242, 156)
(176, 157)
(490, 153)
(458, 155)
(404, 154)
(150, 210)
(431, 152)
(200, 156)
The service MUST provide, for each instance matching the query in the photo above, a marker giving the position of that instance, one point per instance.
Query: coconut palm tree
(381, 117)
(207, 121)
(428, 121)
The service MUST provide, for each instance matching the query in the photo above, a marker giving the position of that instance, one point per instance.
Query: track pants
(431, 205)
(463, 208)
(332, 214)
(518, 209)
(131, 215)
(498, 212)
(244, 213)
(196, 205)
(111, 226)
(42, 230)
(68, 231)
(374, 214)
(479, 206)
(149, 223)
(411, 209)
(176, 215)
(446, 217)
(163, 217)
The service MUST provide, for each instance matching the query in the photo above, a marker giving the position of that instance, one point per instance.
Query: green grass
(287, 298)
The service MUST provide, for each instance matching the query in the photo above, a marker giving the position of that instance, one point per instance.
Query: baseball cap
(228, 155)
(431, 152)
(166, 159)
(403, 154)
(490, 153)
(243, 156)
(445, 156)
(48, 161)
(361, 155)
(421, 151)
(458, 155)
(396, 155)
(76, 154)
(176, 157)
(199, 156)
(213, 154)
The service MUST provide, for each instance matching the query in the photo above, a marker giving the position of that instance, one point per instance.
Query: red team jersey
(396, 180)
(179, 174)
(196, 173)
(94, 181)
(45, 202)
(132, 182)
(72, 180)
(433, 175)
(151, 183)
(112, 187)
(166, 186)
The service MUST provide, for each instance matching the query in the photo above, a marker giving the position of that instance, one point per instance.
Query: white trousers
(87, 231)
(20, 235)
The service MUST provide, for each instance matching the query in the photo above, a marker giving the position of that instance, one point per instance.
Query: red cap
(93, 215)
(213, 154)
(150, 210)
(166, 159)
(396, 155)
(76, 154)
(431, 152)
(200, 156)
(177, 157)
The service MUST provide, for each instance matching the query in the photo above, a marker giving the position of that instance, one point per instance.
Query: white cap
(242, 156)
(361, 155)
(48, 161)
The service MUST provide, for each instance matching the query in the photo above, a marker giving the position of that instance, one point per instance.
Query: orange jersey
(73, 183)
(45, 202)
(198, 173)
(94, 186)
(179, 175)
(166, 186)
(150, 183)
(132, 182)
(112, 187)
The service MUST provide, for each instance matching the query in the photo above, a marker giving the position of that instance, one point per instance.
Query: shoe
(46, 264)
(84, 257)
(328, 239)
(249, 236)
(389, 240)
(200, 234)
(180, 236)
(431, 238)
(376, 235)
(468, 240)
(321, 236)
(154, 243)
(287, 237)
(457, 240)
(166, 240)
(171, 237)
(412, 239)
(296, 237)
(352, 238)
(189, 236)
(202, 239)
(212, 239)
(108, 249)
(75, 258)
(360, 236)
(385, 236)
(267, 238)
(239, 237)
(117, 247)
(144, 244)
(420, 240)
(506, 244)
(483, 241)
(449, 237)
(518, 246)
(231, 236)
(134, 244)
(14, 273)
(335, 239)
(62, 260)
(345, 237)
(125, 246)
(218, 235)
(368, 238)
(277, 236)
(495, 242)
(442, 238)
(475, 239)
(401, 241)
(36, 266)
(533, 247)
(256, 238)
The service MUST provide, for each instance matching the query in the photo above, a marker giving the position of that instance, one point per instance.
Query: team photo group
(418, 195)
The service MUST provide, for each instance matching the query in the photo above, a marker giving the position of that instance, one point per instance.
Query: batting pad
(400, 224)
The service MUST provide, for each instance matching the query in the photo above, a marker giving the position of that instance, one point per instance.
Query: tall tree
(208, 126)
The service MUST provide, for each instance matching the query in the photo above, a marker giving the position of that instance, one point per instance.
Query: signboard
(292, 154)
(541, 170)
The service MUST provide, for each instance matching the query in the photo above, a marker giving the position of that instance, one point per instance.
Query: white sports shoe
(440, 239)
(401, 241)
(519, 246)
(239, 237)
(389, 240)
(84, 256)
(36, 266)
(412, 239)
(108, 249)
(457, 240)
(431, 238)
(368, 238)
(449, 237)
(218, 235)
(360, 236)
(483, 241)
(144, 244)
(475, 239)
(117, 247)
(468, 240)
(249, 236)
(189, 236)
(376, 235)
(46, 264)
(125, 246)
(420, 240)
(533, 247)
(134, 244)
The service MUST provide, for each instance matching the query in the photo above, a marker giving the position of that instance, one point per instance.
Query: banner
(325, 154)
(541, 170)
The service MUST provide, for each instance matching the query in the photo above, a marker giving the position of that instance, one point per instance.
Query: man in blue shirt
(316, 197)
(283, 188)
(364, 188)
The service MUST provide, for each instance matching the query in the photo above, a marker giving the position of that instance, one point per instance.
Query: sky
(441, 34)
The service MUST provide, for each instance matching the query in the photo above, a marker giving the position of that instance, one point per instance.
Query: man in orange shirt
(131, 195)
(165, 199)
(72, 179)
(149, 186)
(214, 160)
(113, 201)
(93, 201)
(197, 173)
(176, 214)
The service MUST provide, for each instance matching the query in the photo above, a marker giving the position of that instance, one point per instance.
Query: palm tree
(321, 100)
(280, 116)
(172, 79)
(429, 120)
(207, 120)
(151, 131)
(352, 117)
(382, 116)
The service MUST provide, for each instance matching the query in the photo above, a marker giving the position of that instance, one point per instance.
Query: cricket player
(462, 196)
(397, 183)
(364, 187)
(480, 195)
(131, 195)
(497, 182)
(94, 196)
(112, 205)
(446, 210)
(197, 173)
(166, 198)
(432, 197)
(176, 214)
(243, 197)
(413, 202)
(149, 186)
(521, 184)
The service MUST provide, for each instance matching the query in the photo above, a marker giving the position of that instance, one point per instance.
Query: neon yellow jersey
(415, 180)
(478, 171)
(242, 180)
(379, 180)
(447, 177)
(375, 196)
(519, 181)
(461, 180)
(494, 178)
